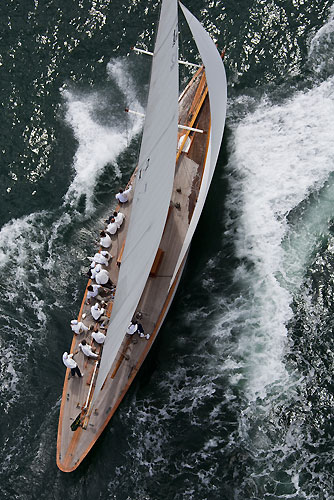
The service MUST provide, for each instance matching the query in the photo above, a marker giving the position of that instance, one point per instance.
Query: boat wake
(253, 397)
(281, 156)
(100, 144)
(321, 49)
(242, 403)
(42, 254)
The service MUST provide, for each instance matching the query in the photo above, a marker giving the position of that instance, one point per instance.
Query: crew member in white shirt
(87, 350)
(103, 278)
(98, 312)
(78, 326)
(122, 196)
(99, 336)
(93, 292)
(70, 363)
(101, 258)
(105, 240)
(132, 328)
(119, 218)
(94, 270)
(135, 327)
(112, 227)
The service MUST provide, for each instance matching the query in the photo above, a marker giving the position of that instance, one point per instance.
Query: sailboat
(179, 150)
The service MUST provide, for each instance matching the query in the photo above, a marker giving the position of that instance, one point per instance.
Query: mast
(153, 186)
(147, 228)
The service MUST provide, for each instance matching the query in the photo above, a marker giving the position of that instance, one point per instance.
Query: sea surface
(236, 399)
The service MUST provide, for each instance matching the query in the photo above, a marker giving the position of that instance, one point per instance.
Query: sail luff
(153, 186)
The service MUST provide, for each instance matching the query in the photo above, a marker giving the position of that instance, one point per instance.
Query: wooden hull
(72, 447)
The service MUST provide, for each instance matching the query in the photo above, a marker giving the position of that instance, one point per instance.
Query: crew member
(119, 218)
(87, 350)
(78, 326)
(123, 196)
(70, 363)
(99, 336)
(105, 240)
(98, 312)
(112, 227)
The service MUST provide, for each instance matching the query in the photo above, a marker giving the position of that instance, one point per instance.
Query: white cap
(74, 322)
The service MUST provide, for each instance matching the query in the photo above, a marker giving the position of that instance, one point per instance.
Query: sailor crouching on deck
(102, 278)
(122, 196)
(119, 218)
(93, 270)
(98, 336)
(98, 313)
(78, 326)
(136, 327)
(132, 328)
(100, 258)
(112, 227)
(87, 350)
(93, 293)
(105, 240)
(70, 363)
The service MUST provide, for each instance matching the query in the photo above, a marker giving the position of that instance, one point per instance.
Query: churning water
(235, 401)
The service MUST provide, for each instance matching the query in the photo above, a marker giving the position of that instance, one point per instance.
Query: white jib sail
(217, 88)
(153, 185)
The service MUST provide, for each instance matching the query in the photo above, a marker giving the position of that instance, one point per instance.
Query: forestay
(153, 185)
(217, 88)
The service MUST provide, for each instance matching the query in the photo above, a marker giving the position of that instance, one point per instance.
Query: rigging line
(126, 121)
(127, 133)
(181, 77)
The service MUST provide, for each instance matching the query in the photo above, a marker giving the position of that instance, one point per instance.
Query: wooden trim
(196, 107)
(164, 310)
(64, 462)
(205, 156)
(72, 447)
(63, 397)
(121, 357)
(120, 255)
(157, 263)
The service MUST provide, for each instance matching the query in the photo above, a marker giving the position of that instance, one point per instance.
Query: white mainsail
(153, 185)
(217, 88)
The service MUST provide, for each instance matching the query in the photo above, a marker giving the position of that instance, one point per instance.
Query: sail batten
(153, 186)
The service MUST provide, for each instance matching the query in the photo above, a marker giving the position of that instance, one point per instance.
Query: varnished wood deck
(72, 447)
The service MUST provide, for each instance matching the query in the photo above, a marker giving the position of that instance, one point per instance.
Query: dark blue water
(236, 398)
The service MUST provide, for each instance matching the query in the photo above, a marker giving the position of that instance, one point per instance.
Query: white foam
(281, 154)
(9, 376)
(27, 266)
(118, 71)
(305, 235)
(98, 144)
(32, 252)
(321, 51)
